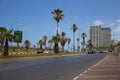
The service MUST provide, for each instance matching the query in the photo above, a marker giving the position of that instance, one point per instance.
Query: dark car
(91, 52)
(40, 51)
(101, 52)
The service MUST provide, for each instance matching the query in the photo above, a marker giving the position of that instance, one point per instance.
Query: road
(55, 68)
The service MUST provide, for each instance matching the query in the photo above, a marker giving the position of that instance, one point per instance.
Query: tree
(2, 32)
(68, 40)
(57, 16)
(56, 40)
(78, 47)
(40, 42)
(74, 28)
(50, 42)
(7, 37)
(27, 44)
(90, 45)
(44, 41)
(118, 44)
(63, 40)
(112, 47)
(83, 35)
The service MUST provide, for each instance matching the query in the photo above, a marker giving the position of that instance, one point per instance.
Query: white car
(46, 51)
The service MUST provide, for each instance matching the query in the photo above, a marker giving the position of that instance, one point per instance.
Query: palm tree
(56, 40)
(2, 32)
(50, 42)
(63, 34)
(69, 40)
(63, 40)
(90, 45)
(27, 44)
(78, 47)
(40, 43)
(7, 36)
(83, 35)
(57, 16)
(45, 40)
(74, 28)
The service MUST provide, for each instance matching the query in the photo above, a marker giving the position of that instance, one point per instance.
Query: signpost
(18, 36)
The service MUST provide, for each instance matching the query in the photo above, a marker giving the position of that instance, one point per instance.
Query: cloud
(116, 32)
(97, 23)
(117, 29)
(111, 25)
(118, 20)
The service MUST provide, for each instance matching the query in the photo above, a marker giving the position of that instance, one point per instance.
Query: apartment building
(100, 36)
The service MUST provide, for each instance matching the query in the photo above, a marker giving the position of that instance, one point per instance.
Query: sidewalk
(107, 69)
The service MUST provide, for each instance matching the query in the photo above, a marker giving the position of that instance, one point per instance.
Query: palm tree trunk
(68, 47)
(45, 45)
(6, 47)
(62, 48)
(41, 47)
(73, 41)
(56, 44)
(18, 44)
(56, 48)
(57, 29)
(26, 47)
(83, 43)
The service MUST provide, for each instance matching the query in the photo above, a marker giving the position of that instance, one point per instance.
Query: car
(46, 51)
(40, 51)
(91, 52)
(101, 52)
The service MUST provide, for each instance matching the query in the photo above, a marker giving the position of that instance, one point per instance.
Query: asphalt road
(56, 68)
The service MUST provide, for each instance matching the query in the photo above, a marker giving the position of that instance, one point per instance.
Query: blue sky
(34, 17)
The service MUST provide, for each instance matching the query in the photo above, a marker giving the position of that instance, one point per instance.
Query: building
(95, 35)
(105, 38)
(100, 36)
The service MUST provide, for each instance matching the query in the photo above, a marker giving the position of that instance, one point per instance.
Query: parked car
(91, 52)
(101, 52)
(40, 51)
(46, 51)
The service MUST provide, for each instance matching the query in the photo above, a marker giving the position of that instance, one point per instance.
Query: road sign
(18, 35)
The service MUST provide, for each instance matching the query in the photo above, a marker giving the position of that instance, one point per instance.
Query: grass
(33, 53)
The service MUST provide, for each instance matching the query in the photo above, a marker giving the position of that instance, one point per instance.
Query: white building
(100, 36)
(105, 38)
(95, 35)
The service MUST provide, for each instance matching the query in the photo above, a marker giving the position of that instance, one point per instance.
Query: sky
(34, 17)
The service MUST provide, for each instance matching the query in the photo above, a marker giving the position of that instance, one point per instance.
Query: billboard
(18, 36)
